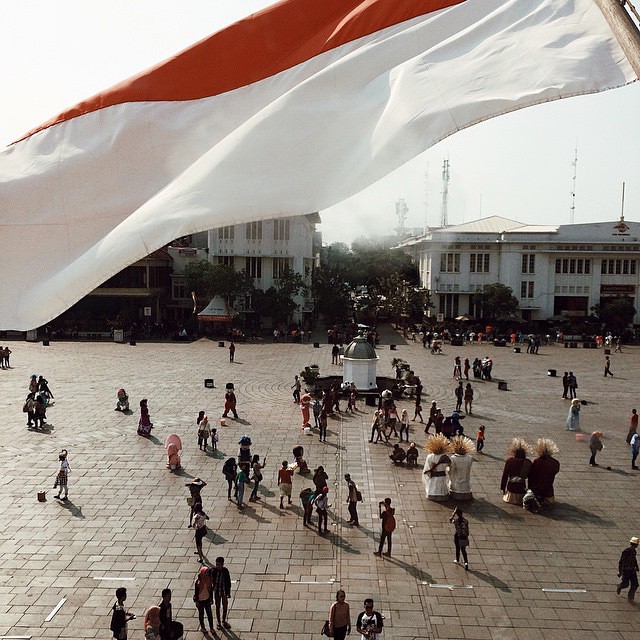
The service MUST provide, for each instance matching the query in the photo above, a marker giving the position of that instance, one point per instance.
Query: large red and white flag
(287, 112)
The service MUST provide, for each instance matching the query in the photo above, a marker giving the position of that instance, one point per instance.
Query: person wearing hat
(195, 487)
(628, 569)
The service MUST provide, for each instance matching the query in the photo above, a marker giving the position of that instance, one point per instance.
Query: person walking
(607, 367)
(480, 438)
(633, 425)
(404, 424)
(120, 616)
(635, 449)
(202, 596)
(628, 569)
(322, 504)
(459, 393)
(461, 536)
(204, 431)
(375, 426)
(152, 622)
(595, 444)
(221, 587)
(320, 478)
(573, 385)
(573, 417)
(296, 386)
(170, 629)
(195, 487)
(565, 385)
(232, 352)
(387, 516)
(199, 524)
(468, 398)
(229, 471)
(241, 480)
(256, 468)
(230, 403)
(339, 617)
(352, 500)
(285, 482)
(62, 479)
(369, 623)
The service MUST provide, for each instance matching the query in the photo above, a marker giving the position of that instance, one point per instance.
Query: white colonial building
(553, 270)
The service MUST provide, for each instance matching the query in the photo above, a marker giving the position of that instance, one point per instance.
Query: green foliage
(333, 293)
(278, 300)
(209, 280)
(617, 313)
(496, 301)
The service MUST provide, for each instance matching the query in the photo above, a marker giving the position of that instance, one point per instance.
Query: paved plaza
(531, 577)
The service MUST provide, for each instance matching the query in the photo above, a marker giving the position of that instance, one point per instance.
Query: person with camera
(461, 536)
(386, 513)
(369, 623)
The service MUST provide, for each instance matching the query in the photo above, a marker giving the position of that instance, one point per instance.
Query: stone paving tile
(127, 515)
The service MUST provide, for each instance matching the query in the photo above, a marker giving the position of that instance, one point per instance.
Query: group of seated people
(400, 456)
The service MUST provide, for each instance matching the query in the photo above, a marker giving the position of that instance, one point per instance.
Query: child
(214, 439)
(480, 439)
(404, 424)
(120, 616)
(61, 478)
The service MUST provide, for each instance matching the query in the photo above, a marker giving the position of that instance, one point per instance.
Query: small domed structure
(359, 364)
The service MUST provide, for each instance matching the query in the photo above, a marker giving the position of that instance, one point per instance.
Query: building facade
(553, 270)
(265, 249)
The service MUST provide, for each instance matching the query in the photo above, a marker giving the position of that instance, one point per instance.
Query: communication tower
(444, 215)
(573, 190)
(401, 213)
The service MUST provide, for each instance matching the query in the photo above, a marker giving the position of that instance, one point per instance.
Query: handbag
(191, 501)
(325, 630)
(464, 542)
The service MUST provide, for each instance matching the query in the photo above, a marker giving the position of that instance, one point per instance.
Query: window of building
(479, 262)
(632, 267)
(254, 230)
(526, 289)
(529, 263)
(572, 265)
(280, 265)
(254, 267)
(228, 260)
(179, 289)
(450, 262)
(281, 229)
(618, 267)
(226, 233)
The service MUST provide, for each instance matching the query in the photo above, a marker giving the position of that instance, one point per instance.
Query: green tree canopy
(333, 293)
(278, 300)
(617, 313)
(496, 301)
(209, 280)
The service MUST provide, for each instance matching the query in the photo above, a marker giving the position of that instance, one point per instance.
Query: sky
(519, 166)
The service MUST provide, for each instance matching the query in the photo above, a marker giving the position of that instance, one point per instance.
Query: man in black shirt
(628, 569)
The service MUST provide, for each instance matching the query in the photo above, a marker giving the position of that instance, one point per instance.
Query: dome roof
(360, 349)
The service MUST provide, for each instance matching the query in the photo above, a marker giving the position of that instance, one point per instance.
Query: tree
(331, 289)
(496, 301)
(278, 300)
(617, 313)
(209, 280)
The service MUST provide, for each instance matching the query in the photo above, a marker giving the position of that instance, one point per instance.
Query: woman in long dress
(515, 472)
(434, 473)
(460, 468)
(573, 419)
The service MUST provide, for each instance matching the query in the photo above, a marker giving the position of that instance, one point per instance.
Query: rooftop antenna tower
(622, 205)
(401, 213)
(572, 211)
(444, 215)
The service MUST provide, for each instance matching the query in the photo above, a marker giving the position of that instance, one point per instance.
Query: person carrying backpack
(386, 513)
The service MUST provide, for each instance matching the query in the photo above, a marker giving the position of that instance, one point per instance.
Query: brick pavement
(127, 517)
